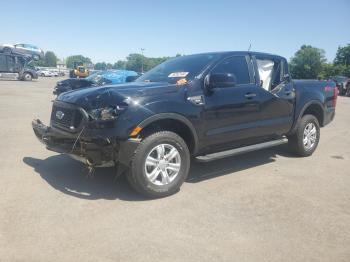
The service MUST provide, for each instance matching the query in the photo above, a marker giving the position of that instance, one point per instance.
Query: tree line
(135, 62)
(307, 63)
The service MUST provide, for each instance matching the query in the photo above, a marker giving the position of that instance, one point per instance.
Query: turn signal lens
(135, 131)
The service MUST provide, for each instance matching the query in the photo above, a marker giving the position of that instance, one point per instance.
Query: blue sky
(110, 30)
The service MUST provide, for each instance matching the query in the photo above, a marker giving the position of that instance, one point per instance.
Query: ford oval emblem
(59, 115)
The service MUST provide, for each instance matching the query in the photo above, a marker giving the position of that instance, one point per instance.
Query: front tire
(159, 165)
(27, 77)
(305, 140)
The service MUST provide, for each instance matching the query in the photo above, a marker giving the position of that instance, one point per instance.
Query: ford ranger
(204, 107)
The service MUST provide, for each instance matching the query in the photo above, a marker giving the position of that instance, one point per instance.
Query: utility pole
(142, 49)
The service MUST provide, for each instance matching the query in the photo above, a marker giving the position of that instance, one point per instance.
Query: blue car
(101, 78)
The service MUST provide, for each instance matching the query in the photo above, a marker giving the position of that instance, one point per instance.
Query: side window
(11, 63)
(236, 65)
(270, 72)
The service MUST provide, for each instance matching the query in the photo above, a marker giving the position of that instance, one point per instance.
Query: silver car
(24, 49)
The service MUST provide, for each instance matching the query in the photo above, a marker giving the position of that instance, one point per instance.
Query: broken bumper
(95, 151)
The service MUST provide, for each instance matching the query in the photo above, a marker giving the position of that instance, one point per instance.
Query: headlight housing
(106, 113)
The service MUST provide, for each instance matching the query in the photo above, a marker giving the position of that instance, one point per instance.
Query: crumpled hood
(97, 97)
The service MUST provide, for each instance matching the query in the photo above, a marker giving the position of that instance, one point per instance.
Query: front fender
(173, 116)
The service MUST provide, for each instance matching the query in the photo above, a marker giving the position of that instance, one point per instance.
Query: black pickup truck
(204, 106)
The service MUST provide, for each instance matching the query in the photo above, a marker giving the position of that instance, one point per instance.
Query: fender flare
(303, 109)
(173, 116)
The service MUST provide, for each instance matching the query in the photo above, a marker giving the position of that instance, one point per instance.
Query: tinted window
(237, 66)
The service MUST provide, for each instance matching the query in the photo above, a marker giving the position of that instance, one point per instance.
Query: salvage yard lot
(262, 206)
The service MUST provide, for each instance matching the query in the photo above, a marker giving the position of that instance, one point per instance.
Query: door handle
(288, 92)
(250, 95)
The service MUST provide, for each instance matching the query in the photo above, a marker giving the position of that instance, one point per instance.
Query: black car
(204, 106)
(100, 78)
(342, 83)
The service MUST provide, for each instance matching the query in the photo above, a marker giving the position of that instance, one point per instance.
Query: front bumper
(93, 150)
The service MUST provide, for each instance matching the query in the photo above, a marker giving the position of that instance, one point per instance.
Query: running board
(240, 150)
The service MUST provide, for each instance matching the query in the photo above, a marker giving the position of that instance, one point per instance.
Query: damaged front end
(75, 132)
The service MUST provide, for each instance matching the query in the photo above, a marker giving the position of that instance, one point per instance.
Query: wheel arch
(172, 122)
(314, 108)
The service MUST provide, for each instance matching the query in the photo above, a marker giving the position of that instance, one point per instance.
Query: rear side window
(236, 65)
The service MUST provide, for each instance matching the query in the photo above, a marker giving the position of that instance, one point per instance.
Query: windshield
(95, 77)
(178, 68)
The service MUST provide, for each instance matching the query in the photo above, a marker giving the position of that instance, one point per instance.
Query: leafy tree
(343, 56)
(329, 70)
(50, 59)
(119, 65)
(134, 62)
(77, 58)
(308, 62)
(109, 66)
(100, 66)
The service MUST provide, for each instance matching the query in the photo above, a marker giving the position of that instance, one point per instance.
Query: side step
(240, 150)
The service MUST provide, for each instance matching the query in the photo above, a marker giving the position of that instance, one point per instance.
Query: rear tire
(156, 174)
(305, 140)
(71, 74)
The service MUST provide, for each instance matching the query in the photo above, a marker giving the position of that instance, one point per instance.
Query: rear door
(277, 96)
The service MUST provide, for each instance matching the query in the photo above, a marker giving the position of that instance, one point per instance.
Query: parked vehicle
(97, 79)
(206, 106)
(17, 66)
(47, 73)
(61, 73)
(342, 84)
(347, 89)
(24, 49)
(79, 71)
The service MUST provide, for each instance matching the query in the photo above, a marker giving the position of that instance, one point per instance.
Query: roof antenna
(250, 46)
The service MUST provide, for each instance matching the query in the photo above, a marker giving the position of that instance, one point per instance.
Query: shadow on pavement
(71, 177)
(227, 166)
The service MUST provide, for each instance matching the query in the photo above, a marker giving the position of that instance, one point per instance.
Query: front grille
(66, 116)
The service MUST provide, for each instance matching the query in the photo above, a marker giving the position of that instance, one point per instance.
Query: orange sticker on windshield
(181, 81)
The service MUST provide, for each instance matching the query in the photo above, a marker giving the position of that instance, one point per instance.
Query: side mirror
(131, 78)
(220, 80)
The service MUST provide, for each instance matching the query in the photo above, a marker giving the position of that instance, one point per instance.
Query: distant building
(61, 65)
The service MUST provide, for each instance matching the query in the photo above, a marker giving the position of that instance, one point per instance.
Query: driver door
(231, 114)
